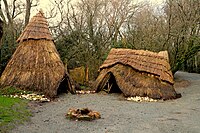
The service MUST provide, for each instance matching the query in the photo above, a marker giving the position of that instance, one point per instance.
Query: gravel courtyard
(120, 116)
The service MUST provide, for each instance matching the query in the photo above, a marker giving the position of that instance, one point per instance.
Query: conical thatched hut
(137, 73)
(36, 65)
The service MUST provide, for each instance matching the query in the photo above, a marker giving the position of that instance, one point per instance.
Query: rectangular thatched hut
(137, 73)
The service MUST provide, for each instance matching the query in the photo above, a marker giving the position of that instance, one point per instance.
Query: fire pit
(82, 114)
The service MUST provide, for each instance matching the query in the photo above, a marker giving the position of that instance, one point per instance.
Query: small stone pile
(141, 99)
(31, 97)
(84, 92)
(35, 97)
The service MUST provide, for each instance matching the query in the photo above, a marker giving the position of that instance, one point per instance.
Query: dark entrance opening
(65, 86)
(111, 85)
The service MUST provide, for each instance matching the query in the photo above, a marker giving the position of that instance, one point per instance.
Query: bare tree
(29, 5)
(94, 25)
(183, 35)
(12, 17)
(28, 9)
(175, 28)
(11, 12)
(143, 31)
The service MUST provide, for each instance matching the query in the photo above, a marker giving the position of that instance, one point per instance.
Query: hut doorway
(66, 86)
(63, 87)
(110, 86)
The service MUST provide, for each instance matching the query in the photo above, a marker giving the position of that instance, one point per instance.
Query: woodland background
(86, 30)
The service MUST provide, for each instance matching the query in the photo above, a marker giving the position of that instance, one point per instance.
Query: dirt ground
(120, 116)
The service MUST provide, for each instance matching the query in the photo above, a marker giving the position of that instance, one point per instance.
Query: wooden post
(86, 74)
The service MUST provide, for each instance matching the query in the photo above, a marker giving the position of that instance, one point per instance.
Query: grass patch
(9, 90)
(83, 87)
(13, 111)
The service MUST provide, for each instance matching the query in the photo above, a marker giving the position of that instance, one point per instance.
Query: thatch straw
(78, 74)
(35, 66)
(133, 83)
(36, 29)
(147, 61)
(137, 73)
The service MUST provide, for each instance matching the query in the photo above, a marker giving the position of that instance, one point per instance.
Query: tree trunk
(28, 9)
(1, 34)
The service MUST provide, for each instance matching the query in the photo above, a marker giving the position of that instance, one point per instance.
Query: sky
(44, 3)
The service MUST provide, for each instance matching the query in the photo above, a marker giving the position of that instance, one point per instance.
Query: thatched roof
(133, 83)
(136, 73)
(36, 29)
(144, 61)
(36, 64)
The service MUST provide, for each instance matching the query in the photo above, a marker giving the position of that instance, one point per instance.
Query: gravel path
(120, 116)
